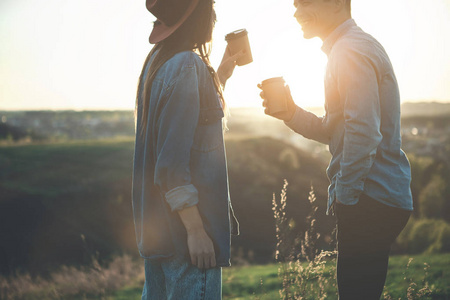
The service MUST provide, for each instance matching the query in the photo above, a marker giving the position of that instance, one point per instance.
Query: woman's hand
(200, 245)
(201, 249)
(228, 64)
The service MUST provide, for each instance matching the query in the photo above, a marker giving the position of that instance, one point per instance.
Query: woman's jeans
(365, 234)
(177, 279)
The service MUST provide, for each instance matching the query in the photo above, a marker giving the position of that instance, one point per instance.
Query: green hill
(63, 203)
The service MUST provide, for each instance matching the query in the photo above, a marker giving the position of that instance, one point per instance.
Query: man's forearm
(308, 125)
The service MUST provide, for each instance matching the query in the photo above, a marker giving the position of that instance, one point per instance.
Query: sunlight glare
(278, 49)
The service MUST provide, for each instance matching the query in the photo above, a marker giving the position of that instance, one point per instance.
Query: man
(369, 173)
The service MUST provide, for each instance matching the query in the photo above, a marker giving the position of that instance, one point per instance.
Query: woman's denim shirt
(180, 162)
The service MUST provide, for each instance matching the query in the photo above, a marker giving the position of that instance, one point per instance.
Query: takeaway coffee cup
(237, 41)
(275, 94)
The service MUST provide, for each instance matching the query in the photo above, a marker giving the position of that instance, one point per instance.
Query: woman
(181, 206)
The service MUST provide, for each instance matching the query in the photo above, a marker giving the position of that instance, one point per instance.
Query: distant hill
(408, 109)
(88, 125)
(257, 168)
(62, 203)
(425, 109)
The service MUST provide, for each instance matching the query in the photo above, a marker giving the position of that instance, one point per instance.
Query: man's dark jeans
(365, 233)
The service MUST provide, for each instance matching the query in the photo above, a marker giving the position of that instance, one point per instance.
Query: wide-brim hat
(170, 15)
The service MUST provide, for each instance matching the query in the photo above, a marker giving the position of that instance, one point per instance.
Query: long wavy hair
(194, 35)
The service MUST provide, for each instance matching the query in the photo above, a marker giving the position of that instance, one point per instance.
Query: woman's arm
(200, 246)
(226, 68)
(176, 127)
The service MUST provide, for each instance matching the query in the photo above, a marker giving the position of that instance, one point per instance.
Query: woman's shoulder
(186, 59)
(180, 63)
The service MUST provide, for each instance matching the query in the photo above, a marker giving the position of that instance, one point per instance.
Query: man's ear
(339, 5)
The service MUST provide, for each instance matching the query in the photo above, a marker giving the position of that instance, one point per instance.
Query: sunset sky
(85, 54)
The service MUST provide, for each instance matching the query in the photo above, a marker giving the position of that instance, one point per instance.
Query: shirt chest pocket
(208, 134)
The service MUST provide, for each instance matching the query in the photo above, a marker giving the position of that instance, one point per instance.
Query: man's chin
(308, 35)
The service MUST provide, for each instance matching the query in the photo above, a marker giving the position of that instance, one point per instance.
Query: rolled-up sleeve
(182, 197)
(176, 125)
(358, 88)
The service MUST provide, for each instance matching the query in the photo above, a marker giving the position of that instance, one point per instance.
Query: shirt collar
(336, 34)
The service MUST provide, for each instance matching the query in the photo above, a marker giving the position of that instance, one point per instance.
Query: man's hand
(201, 248)
(284, 115)
(227, 65)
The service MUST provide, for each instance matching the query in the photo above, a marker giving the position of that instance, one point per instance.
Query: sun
(300, 62)
(278, 50)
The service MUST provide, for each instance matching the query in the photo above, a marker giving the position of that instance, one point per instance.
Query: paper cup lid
(236, 34)
(272, 80)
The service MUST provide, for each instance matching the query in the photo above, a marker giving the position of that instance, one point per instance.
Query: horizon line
(231, 107)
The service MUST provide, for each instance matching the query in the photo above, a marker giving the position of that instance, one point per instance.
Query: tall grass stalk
(414, 292)
(300, 280)
(303, 269)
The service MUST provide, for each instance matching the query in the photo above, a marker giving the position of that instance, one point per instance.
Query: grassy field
(123, 279)
(262, 281)
(73, 198)
(65, 202)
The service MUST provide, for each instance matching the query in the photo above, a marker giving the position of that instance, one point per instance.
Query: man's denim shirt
(362, 122)
(180, 162)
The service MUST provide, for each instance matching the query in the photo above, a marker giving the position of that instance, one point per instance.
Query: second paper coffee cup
(275, 94)
(237, 41)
